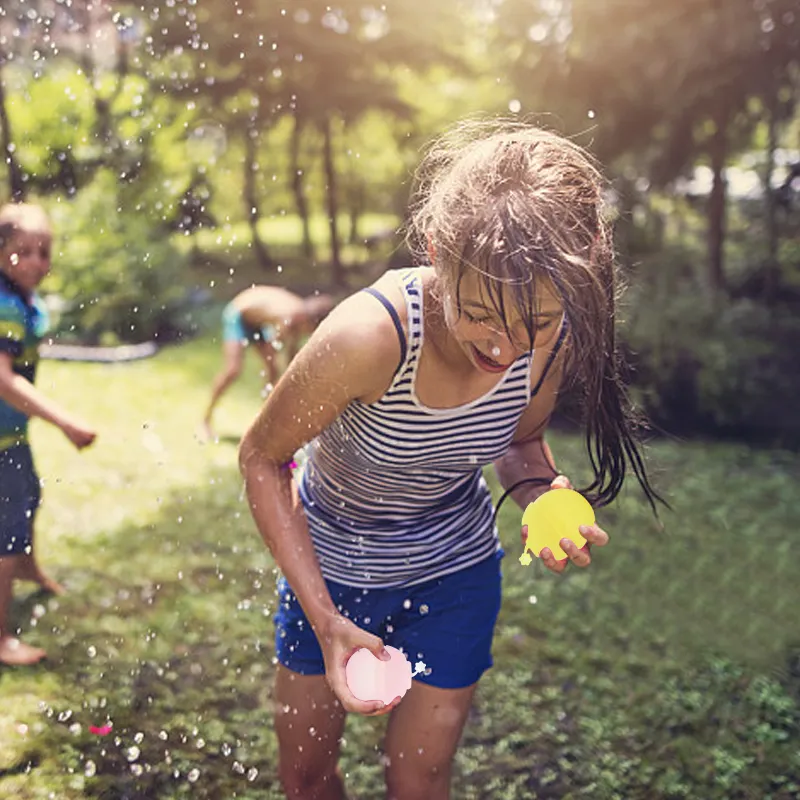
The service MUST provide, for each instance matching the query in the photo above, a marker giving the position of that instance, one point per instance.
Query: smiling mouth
(488, 363)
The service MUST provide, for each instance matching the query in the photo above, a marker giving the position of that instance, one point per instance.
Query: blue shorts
(19, 499)
(448, 623)
(234, 328)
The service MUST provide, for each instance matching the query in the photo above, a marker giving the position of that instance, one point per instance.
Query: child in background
(270, 318)
(406, 392)
(25, 243)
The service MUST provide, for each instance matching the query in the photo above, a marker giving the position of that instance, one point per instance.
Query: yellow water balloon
(553, 516)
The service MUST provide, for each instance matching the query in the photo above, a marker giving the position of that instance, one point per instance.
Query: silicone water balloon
(369, 678)
(553, 516)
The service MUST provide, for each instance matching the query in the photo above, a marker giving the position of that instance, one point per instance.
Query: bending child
(271, 319)
(406, 392)
(25, 243)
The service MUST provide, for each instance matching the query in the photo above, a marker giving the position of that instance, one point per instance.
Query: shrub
(119, 274)
(722, 366)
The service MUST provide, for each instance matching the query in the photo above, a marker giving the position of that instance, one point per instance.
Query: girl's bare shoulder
(360, 337)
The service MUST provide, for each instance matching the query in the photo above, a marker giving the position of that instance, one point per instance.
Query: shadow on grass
(21, 768)
(166, 635)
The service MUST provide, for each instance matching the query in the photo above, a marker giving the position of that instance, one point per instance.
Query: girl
(406, 392)
(271, 318)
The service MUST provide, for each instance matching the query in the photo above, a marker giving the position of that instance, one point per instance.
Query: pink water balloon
(369, 678)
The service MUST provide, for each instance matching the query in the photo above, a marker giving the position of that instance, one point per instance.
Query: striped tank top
(393, 490)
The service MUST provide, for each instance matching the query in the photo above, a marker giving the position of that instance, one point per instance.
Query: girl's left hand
(579, 556)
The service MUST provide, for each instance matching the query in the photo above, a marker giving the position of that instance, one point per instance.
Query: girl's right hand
(79, 434)
(339, 640)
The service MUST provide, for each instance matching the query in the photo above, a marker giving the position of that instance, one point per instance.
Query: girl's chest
(401, 436)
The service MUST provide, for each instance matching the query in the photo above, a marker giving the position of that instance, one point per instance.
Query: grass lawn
(670, 669)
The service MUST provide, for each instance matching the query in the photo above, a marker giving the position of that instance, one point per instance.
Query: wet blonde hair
(523, 207)
(22, 217)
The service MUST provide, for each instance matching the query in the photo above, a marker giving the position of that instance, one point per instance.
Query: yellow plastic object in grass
(553, 516)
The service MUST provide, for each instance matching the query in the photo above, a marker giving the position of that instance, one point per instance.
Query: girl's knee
(301, 779)
(416, 779)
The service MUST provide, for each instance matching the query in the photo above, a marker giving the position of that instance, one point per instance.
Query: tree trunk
(718, 152)
(298, 187)
(771, 271)
(356, 209)
(16, 182)
(337, 270)
(251, 197)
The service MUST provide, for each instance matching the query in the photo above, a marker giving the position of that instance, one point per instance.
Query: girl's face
(481, 333)
(26, 258)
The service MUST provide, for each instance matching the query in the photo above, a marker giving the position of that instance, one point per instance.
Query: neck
(14, 285)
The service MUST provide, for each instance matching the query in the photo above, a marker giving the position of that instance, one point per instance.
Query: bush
(723, 366)
(120, 275)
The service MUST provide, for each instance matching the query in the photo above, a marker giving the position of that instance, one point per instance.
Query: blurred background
(187, 149)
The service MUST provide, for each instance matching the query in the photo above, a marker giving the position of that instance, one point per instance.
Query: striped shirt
(393, 490)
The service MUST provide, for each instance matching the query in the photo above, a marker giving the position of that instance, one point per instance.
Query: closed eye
(542, 326)
(476, 320)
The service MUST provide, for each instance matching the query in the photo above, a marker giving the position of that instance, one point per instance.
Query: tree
(668, 83)
(326, 66)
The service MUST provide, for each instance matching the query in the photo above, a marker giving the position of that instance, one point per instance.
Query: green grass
(669, 669)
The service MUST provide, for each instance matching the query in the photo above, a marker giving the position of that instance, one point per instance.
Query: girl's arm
(352, 355)
(22, 395)
(529, 455)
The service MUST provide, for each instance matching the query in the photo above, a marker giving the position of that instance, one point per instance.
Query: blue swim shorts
(19, 499)
(447, 623)
(234, 328)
